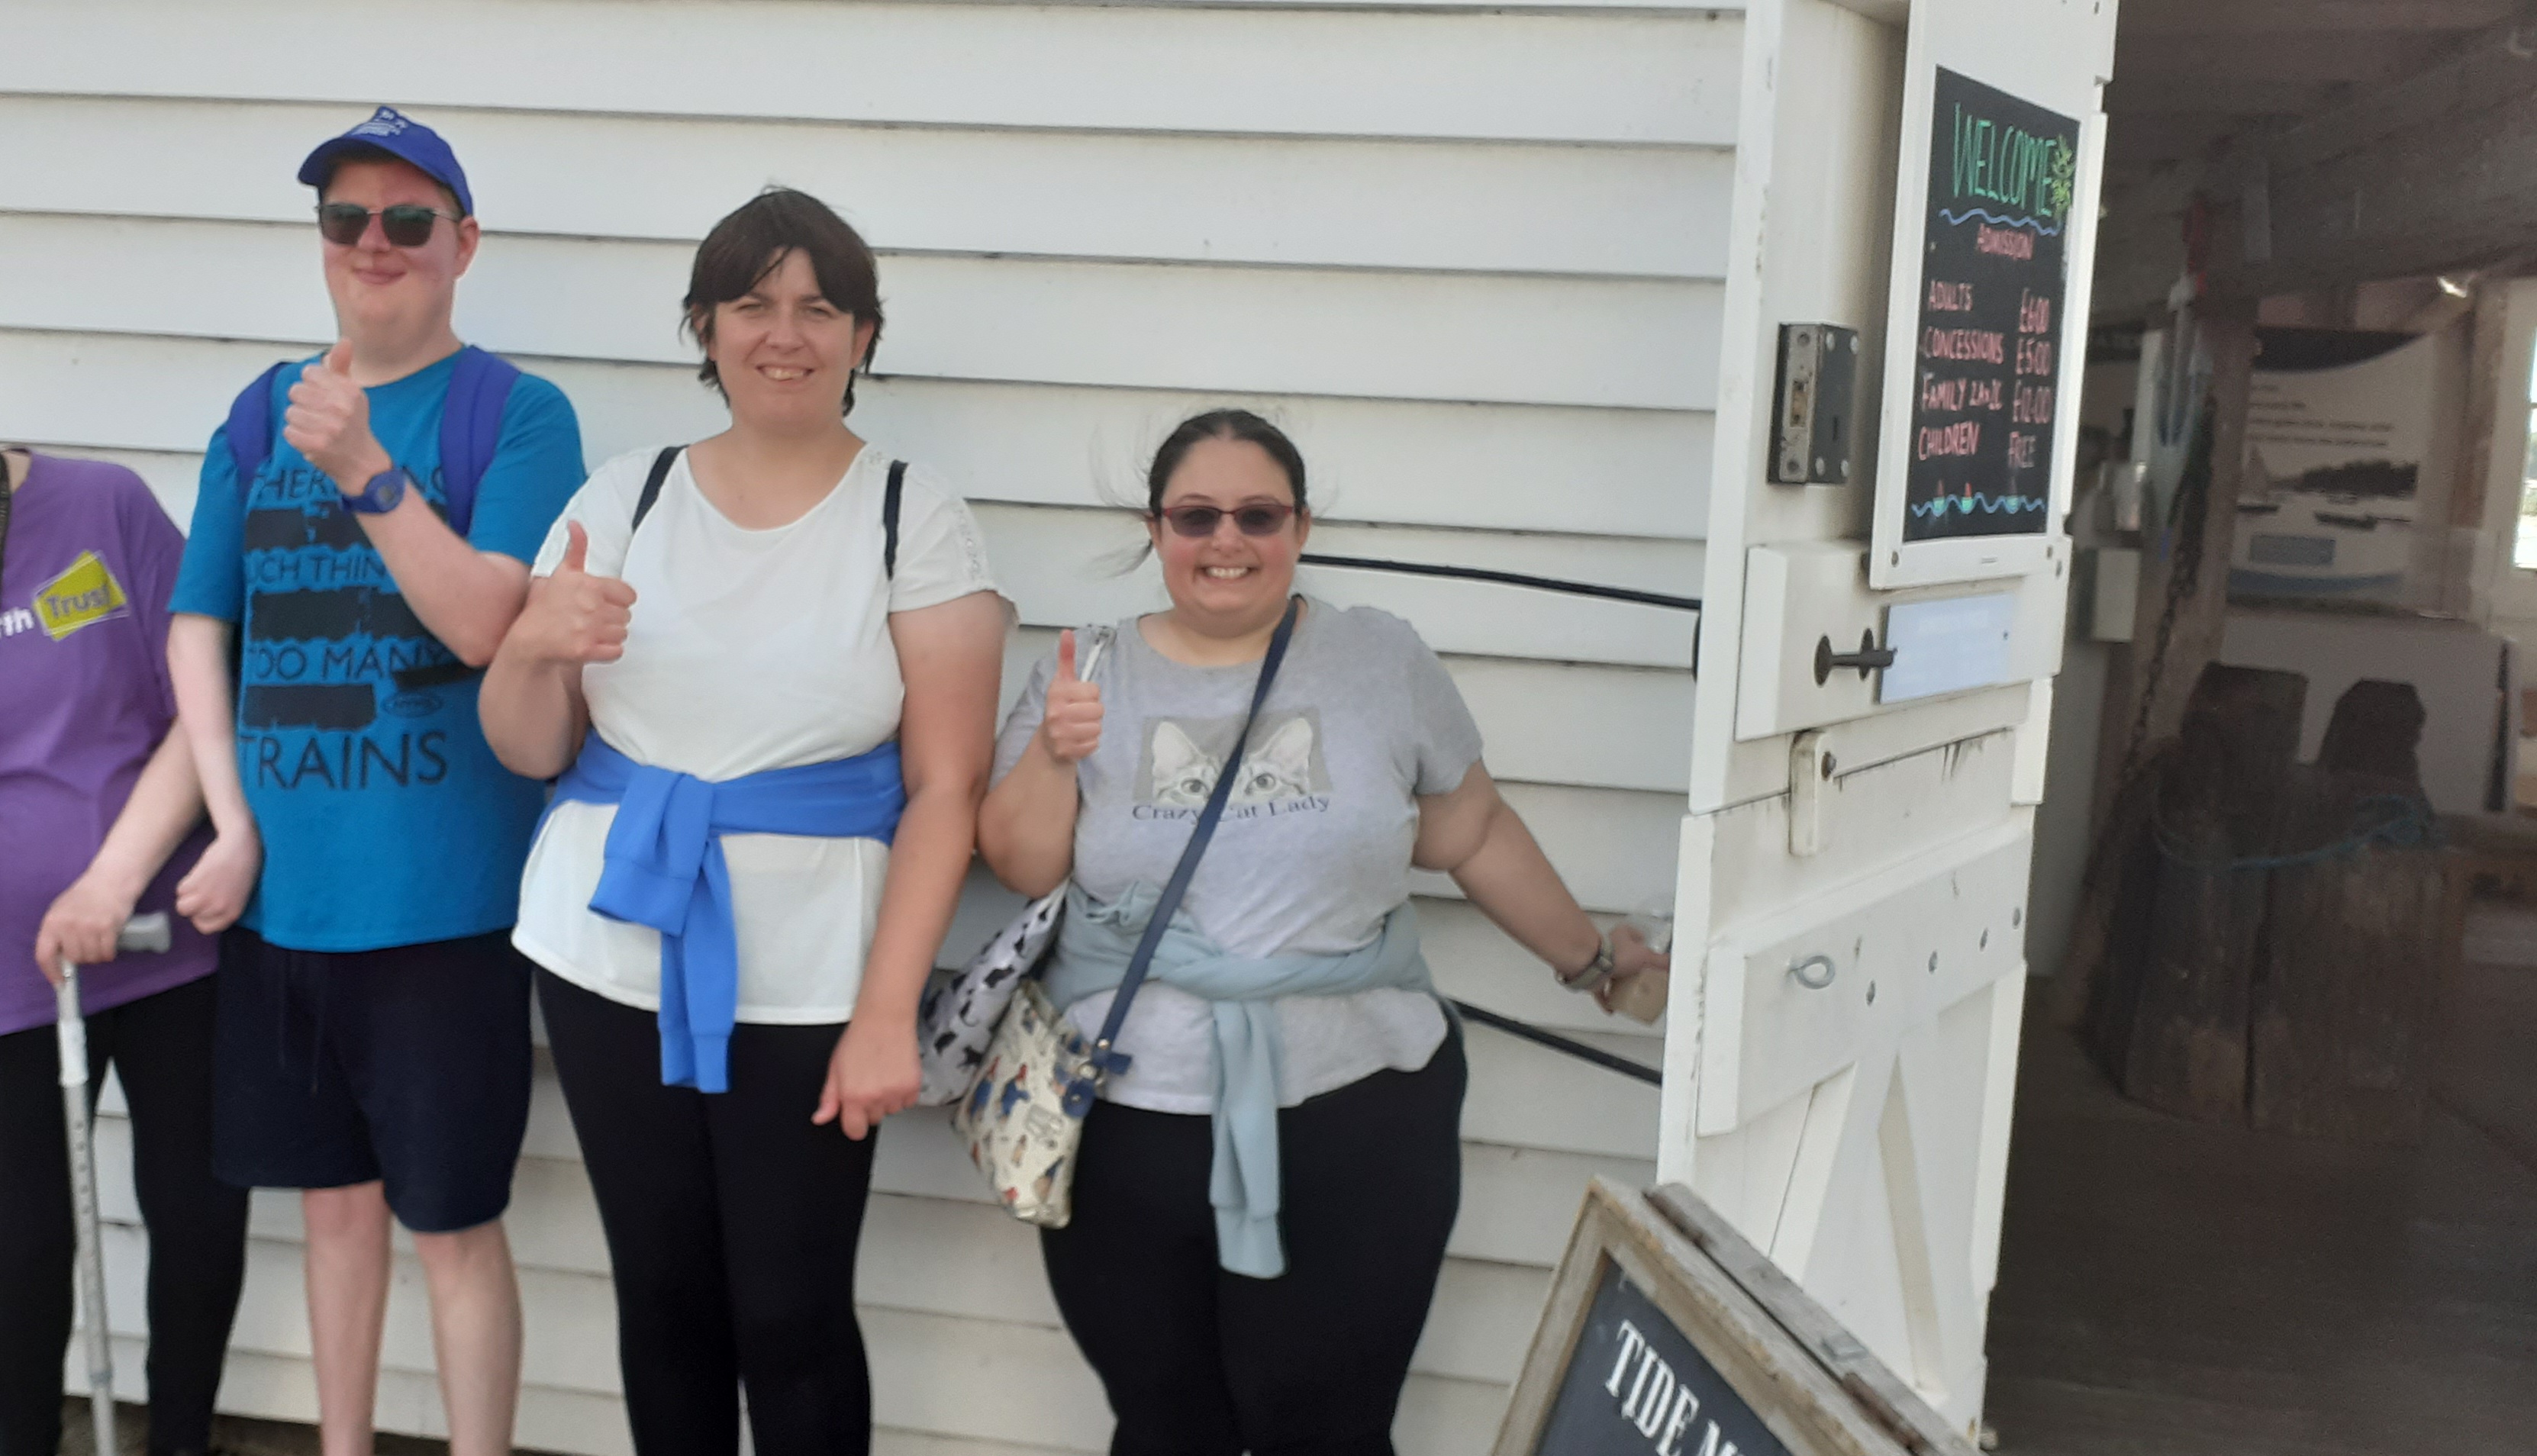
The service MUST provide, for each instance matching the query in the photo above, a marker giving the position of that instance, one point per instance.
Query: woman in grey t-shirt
(1226, 1310)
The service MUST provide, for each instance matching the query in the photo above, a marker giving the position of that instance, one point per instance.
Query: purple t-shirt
(84, 701)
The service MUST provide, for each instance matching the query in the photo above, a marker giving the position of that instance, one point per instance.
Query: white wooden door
(1852, 908)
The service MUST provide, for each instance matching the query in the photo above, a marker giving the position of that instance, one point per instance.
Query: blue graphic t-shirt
(386, 820)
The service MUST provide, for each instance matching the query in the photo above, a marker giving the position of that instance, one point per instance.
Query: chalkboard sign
(2002, 183)
(1666, 1334)
(1637, 1385)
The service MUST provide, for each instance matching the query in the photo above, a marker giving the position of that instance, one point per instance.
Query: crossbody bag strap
(661, 464)
(1173, 889)
(889, 519)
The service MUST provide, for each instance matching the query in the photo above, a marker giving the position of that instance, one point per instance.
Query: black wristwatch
(381, 494)
(1594, 973)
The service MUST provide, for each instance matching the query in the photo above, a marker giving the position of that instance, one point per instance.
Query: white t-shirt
(749, 649)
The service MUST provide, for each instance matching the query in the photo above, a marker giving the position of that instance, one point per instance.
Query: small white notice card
(1947, 646)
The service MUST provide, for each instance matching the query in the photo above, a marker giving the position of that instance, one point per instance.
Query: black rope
(1556, 1042)
(1507, 578)
(1508, 1024)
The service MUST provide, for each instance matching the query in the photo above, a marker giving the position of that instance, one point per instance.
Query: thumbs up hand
(1072, 726)
(572, 616)
(329, 423)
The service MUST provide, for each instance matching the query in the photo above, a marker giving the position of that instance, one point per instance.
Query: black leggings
(1198, 1362)
(732, 1223)
(160, 1046)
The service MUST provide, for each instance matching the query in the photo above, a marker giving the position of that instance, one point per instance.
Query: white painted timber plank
(1544, 722)
(888, 1442)
(1482, 1320)
(1449, 1418)
(1520, 1196)
(1343, 201)
(1477, 338)
(919, 1156)
(284, 1387)
(1872, 819)
(1595, 725)
(1607, 727)
(1615, 849)
(1471, 959)
(1063, 566)
(571, 1328)
(955, 1257)
(553, 1221)
(273, 1387)
(975, 1261)
(1565, 470)
(550, 1133)
(1580, 78)
(1518, 1204)
(1477, 962)
(1521, 1096)
(975, 1267)
(966, 1378)
(1531, 1096)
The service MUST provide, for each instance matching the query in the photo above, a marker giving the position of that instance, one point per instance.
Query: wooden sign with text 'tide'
(1668, 1335)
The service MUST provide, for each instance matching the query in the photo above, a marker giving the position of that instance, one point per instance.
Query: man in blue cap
(360, 544)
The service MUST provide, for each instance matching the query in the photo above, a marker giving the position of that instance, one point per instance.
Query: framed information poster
(1984, 329)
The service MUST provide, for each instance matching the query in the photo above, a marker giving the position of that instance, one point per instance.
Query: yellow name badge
(86, 593)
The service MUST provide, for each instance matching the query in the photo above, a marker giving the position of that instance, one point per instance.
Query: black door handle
(1866, 660)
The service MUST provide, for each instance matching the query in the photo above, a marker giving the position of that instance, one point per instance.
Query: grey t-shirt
(1312, 852)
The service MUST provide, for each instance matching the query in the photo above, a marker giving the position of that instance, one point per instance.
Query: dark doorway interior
(2189, 1289)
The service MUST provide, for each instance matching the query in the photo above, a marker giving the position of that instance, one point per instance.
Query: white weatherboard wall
(1472, 260)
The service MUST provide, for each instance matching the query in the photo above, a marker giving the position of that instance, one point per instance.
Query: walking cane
(140, 933)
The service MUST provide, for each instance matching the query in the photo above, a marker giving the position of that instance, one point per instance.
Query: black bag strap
(1103, 1057)
(890, 520)
(661, 464)
(669, 455)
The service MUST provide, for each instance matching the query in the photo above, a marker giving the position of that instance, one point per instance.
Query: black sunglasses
(407, 224)
(1258, 519)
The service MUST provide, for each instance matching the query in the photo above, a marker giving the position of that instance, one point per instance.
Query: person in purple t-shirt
(105, 821)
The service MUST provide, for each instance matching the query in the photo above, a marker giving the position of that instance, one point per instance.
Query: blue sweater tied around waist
(1094, 948)
(663, 868)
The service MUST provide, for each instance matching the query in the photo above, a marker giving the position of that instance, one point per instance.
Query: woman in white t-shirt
(764, 668)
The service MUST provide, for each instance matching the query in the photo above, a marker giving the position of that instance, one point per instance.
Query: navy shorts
(409, 1065)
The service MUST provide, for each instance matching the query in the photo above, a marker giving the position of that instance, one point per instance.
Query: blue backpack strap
(471, 428)
(251, 428)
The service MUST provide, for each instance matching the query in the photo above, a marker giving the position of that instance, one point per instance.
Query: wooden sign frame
(1811, 1383)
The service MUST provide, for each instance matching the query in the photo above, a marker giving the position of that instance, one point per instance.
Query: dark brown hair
(750, 243)
(1222, 425)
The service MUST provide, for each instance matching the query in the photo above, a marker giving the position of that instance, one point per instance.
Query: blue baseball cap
(402, 137)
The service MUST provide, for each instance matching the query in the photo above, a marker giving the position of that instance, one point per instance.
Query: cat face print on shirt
(1283, 773)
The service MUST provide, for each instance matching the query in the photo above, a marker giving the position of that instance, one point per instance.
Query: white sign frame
(2006, 45)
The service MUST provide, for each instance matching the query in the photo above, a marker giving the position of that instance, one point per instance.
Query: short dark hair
(1222, 425)
(363, 152)
(750, 243)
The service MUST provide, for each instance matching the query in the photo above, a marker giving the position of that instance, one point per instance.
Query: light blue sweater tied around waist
(663, 868)
(1092, 952)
